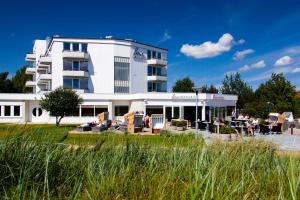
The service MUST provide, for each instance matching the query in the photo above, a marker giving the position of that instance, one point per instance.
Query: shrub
(227, 130)
(181, 123)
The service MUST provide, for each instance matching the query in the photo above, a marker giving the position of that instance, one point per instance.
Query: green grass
(140, 167)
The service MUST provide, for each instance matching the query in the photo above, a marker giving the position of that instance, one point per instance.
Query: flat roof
(106, 38)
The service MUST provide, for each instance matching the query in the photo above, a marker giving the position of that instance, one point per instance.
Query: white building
(114, 75)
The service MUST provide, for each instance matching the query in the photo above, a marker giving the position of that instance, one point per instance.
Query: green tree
(5, 83)
(276, 95)
(234, 84)
(61, 102)
(209, 89)
(183, 85)
(19, 80)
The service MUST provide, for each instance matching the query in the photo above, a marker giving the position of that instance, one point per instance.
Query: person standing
(281, 119)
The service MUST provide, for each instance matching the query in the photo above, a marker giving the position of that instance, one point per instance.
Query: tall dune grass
(30, 169)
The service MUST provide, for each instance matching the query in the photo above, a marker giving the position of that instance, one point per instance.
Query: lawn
(38, 162)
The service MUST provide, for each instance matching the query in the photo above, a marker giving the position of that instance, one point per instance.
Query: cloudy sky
(206, 39)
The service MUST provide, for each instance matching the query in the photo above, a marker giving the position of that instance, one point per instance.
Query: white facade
(109, 74)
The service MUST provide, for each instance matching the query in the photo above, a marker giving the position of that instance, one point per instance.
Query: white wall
(101, 68)
(57, 65)
(138, 72)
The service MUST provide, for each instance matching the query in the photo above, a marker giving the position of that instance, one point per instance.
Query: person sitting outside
(250, 127)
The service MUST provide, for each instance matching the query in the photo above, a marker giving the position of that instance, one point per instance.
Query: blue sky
(206, 39)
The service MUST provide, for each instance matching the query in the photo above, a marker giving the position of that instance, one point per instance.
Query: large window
(159, 86)
(68, 83)
(121, 110)
(87, 111)
(121, 75)
(67, 46)
(75, 83)
(75, 65)
(149, 54)
(157, 71)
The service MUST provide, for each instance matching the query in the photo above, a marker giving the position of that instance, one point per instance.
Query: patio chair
(264, 129)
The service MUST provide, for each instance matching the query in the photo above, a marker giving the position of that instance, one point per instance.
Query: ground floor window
(154, 110)
(7, 111)
(10, 111)
(17, 111)
(87, 111)
(37, 112)
(121, 110)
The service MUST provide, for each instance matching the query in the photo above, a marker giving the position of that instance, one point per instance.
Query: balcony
(157, 62)
(30, 57)
(30, 84)
(75, 73)
(157, 78)
(45, 77)
(75, 55)
(30, 70)
(80, 91)
(45, 60)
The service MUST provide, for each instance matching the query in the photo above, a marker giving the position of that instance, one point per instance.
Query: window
(153, 54)
(84, 47)
(149, 71)
(37, 112)
(17, 111)
(7, 111)
(149, 54)
(75, 46)
(75, 84)
(75, 65)
(158, 55)
(150, 86)
(84, 66)
(84, 84)
(121, 110)
(67, 64)
(0, 111)
(121, 75)
(87, 111)
(68, 83)
(158, 72)
(154, 71)
(158, 87)
(100, 109)
(67, 46)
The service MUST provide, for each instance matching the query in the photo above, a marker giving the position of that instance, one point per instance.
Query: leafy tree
(183, 85)
(209, 89)
(61, 102)
(19, 80)
(233, 84)
(5, 83)
(275, 95)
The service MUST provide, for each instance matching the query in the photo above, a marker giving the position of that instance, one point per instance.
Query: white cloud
(259, 64)
(285, 60)
(165, 37)
(296, 70)
(277, 70)
(239, 55)
(210, 49)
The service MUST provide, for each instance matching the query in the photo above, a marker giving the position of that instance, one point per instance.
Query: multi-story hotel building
(110, 74)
